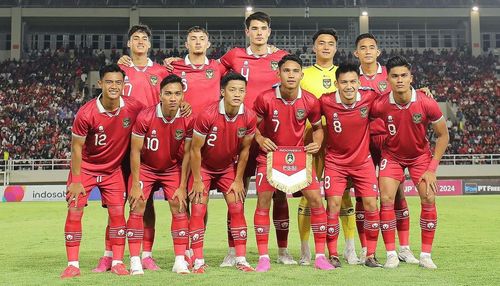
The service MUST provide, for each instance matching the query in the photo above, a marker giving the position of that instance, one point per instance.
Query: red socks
(371, 226)
(180, 232)
(318, 226)
(117, 231)
(360, 217)
(428, 223)
(281, 219)
(261, 224)
(197, 229)
(402, 221)
(388, 226)
(238, 228)
(73, 234)
(135, 233)
(148, 239)
(332, 233)
(230, 240)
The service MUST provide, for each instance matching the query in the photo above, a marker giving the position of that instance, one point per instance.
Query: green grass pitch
(466, 249)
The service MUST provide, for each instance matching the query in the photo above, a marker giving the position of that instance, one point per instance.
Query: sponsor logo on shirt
(126, 122)
(417, 118)
(209, 73)
(327, 83)
(241, 132)
(179, 133)
(274, 65)
(364, 111)
(300, 114)
(153, 79)
(382, 85)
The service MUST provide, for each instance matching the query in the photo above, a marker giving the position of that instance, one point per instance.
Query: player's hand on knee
(181, 195)
(238, 189)
(125, 60)
(72, 193)
(135, 195)
(196, 193)
(430, 181)
(186, 109)
(312, 148)
(168, 63)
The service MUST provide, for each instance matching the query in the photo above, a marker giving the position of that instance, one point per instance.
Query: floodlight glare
(364, 13)
(475, 8)
(249, 8)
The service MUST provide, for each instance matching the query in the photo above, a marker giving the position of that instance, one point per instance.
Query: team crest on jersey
(179, 133)
(364, 111)
(274, 65)
(290, 158)
(209, 73)
(300, 114)
(153, 79)
(327, 83)
(126, 122)
(241, 132)
(417, 118)
(382, 85)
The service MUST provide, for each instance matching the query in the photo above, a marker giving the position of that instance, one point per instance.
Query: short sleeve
(314, 115)
(81, 125)
(189, 127)
(251, 123)
(202, 124)
(227, 59)
(433, 111)
(259, 106)
(140, 127)
(375, 110)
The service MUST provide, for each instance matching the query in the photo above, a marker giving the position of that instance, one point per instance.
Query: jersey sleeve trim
(199, 133)
(317, 122)
(439, 119)
(79, 136)
(138, 135)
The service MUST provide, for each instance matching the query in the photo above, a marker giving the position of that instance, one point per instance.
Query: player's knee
(264, 200)
(235, 208)
(198, 210)
(140, 207)
(333, 208)
(279, 197)
(386, 198)
(370, 204)
(315, 201)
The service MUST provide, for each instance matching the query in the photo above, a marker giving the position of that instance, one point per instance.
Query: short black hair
(170, 79)
(326, 31)
(259, 16)
(345, 68)
(397, 61)
(231, 76)
(110, 68)
(365, 36)
(139, 28)
(197, 29)
(286, 58)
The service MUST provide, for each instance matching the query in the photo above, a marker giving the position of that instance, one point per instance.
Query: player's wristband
(76, 179)
(433, 165)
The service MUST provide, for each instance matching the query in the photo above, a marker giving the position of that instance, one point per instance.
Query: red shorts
(390, 167)
(151, 182)
(376, 144)
(220, 181)
(112, 188)
(363, 178)
(252, 160)
(262, 185)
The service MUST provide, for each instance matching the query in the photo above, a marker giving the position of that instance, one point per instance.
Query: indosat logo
(13, 194)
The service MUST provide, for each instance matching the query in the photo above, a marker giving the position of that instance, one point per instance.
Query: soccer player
(258, 63)
(101, 136)
(159, 155)
(406, 114)
(221, 135)
(348, 157)
(282, 112)
(374, 75)
(319, 79)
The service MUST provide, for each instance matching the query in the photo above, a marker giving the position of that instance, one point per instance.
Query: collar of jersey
(406, 106)
(187, 62)
(101, 108)
(149, 64)
(159, 114)
(379, 70)
(250, 53)
(323, 69)
(222, 110)
(338, 100)
(278, 95)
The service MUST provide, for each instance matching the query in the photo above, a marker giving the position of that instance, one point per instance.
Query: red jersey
(260, 71)
(107, 134)
(377, 82)
(284, 121)
(406, 125)
(224, 135)
(143, 84)
(162, 151)
(201, 83)
(348, 130)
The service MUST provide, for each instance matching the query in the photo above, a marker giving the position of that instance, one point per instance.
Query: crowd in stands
(40, 95)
